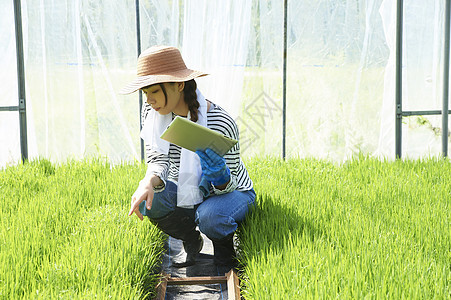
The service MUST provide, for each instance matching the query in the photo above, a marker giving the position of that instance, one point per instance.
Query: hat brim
(143, 81)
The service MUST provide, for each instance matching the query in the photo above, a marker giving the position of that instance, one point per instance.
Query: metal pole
(140, 96)
(284, 84)
(445, 82)
(407, 113)
(398, 90)
(21, 81)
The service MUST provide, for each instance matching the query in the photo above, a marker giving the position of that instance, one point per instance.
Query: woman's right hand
(143, 192)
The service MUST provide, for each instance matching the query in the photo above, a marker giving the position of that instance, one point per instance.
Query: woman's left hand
(214, 167)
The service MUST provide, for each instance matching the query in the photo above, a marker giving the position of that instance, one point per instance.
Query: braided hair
(190, 97)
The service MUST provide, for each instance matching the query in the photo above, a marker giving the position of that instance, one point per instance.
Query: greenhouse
(341, 108)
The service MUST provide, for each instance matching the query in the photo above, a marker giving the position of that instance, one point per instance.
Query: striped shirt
(167, 166)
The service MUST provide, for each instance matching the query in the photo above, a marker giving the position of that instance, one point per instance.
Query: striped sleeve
(222, 122)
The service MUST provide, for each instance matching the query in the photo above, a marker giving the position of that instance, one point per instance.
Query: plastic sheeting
(337, 55)
(9, 121)
(78, 54)
(340, 76)
(341, 80)
(75, 54)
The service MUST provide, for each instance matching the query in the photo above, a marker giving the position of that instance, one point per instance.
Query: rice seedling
(65, 233)
(363, 229)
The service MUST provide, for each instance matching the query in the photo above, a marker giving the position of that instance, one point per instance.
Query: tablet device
(192, 136)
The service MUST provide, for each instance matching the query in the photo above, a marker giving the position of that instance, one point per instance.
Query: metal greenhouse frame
(22, 107)
(399, 112)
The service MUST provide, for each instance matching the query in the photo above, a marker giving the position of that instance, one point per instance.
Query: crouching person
(183, 190)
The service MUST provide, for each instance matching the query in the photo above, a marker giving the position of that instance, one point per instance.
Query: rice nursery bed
(363, 229)
(65, 233)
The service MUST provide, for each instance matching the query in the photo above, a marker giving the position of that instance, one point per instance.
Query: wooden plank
(231, 278)
(197, 280)
(233, 286)
(161, 287)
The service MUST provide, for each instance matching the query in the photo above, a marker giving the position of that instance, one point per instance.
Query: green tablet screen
(192, 136)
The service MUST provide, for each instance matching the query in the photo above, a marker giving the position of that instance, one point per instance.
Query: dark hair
(190, 97)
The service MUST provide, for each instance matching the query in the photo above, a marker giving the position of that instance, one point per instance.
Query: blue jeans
(217, 216)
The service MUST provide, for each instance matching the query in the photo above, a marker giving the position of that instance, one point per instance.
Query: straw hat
(160, 64)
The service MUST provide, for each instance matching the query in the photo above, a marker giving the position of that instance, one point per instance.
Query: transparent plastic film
(340, 84)
(9, 120)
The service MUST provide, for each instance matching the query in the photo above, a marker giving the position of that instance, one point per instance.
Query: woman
(182, 189)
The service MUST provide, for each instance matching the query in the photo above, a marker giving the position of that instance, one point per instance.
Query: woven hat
(160, 64)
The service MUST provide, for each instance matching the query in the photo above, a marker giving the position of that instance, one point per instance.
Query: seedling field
(65, 233)
(361, 229)
(364, 229)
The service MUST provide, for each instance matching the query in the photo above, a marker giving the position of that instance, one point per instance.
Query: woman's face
(172, 102)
